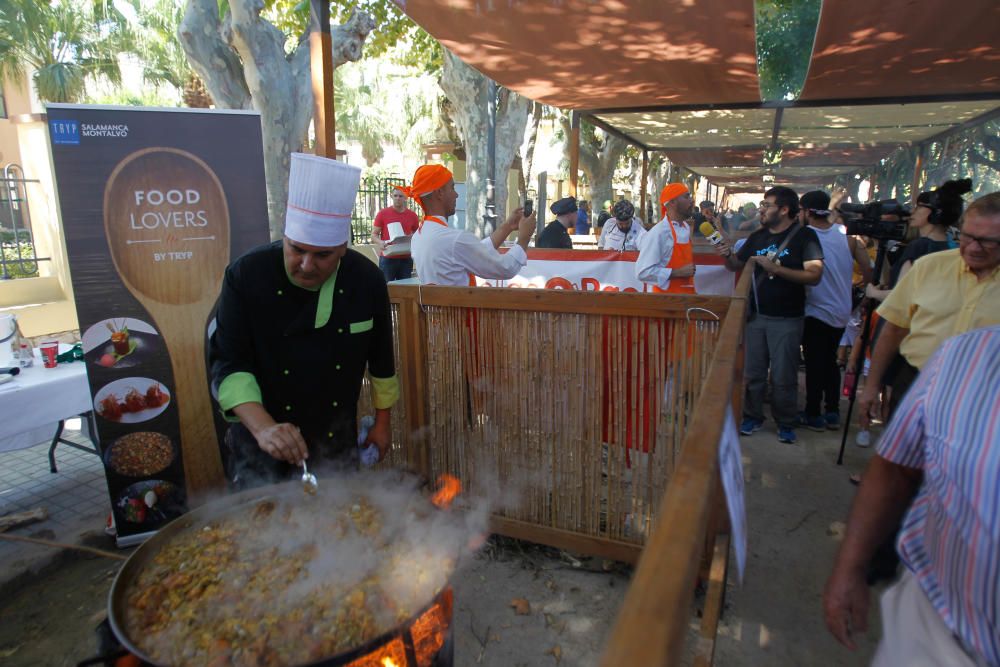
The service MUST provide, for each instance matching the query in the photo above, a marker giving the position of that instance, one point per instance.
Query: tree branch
(218, 66)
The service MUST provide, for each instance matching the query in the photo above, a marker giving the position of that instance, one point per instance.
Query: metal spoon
(309, 483)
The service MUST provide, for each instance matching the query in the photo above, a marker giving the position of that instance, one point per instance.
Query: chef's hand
(685, 271)
(284, 442)
(525, 228)
(380, 434)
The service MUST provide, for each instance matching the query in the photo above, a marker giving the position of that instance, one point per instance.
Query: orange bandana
(670, 192)
(428, 178)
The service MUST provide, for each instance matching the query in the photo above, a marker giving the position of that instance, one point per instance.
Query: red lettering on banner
(610, 288)
(590, 284)
(559, 283)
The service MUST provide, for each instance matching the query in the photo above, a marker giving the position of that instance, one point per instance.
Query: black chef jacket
(554, 236)
(308, 376)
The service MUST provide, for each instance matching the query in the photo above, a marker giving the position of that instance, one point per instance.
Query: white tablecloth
(34, 402)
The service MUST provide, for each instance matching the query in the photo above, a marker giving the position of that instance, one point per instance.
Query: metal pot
(194, 520)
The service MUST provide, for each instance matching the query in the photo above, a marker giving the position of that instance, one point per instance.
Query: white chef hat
(321, 194)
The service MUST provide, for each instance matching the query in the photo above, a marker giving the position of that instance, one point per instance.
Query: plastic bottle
(25, 356)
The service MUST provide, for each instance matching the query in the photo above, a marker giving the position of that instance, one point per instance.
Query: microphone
(11, 370)
(710, 233)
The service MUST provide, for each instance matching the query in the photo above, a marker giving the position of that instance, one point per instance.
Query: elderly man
(390, 222)
(943, 294)
(626, 232)
(786, 257)
(940, 451)
(299, 322)
(666, 258)
(555, 235)
(447, 256)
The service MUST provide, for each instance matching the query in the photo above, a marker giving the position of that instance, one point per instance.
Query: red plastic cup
(49, 352)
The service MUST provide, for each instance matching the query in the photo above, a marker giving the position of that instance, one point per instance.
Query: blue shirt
(582, 222)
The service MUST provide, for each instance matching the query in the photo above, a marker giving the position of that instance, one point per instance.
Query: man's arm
(234, 381)
(885, 493)
(886, 349)
(810, 273)
(861, 258)
(377, 234)
(509, 226)
(382, 370)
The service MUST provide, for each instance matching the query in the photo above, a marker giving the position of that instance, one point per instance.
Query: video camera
(866, 219)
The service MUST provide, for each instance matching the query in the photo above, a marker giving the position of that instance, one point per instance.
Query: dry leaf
(521, 606)
(555, 652)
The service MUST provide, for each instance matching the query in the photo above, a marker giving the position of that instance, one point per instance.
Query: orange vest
(682, 255)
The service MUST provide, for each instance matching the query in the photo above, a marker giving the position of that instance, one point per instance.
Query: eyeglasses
(984, 243)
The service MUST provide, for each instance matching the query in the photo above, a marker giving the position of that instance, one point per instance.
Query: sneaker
(816, 423)
(750, 425)
(832, 420)
(786, 435)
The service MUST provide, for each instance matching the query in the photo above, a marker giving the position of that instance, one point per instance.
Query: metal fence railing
(373, 195)
(18, 258)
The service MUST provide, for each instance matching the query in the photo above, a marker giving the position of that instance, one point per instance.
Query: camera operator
(943, 294)
(935, 213)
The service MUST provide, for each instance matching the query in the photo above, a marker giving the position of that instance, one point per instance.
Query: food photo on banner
(154, 203)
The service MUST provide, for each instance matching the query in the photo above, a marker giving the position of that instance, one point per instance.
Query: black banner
(155, 203)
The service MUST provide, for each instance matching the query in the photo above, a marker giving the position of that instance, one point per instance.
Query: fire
(389, 662)
(448, 488)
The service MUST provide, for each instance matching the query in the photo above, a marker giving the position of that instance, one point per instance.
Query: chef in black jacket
(555, 235)
(298, 322)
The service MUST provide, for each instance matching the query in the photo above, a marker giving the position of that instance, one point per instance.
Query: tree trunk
(467, 91)
(243, 64)
(598, 159)
(528, 154)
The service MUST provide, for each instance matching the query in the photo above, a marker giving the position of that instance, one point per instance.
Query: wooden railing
(652, 625)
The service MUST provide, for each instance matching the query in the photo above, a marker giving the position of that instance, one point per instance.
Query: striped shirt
(948, 425)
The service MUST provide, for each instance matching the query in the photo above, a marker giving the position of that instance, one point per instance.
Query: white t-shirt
(613, 238)
(830, 300)
(446, 256)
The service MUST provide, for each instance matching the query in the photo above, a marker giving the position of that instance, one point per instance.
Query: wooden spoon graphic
(167, 225)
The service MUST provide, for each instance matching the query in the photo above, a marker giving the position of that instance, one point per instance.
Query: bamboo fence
(594, 419)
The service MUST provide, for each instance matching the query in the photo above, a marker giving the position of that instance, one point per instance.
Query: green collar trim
(324, 305)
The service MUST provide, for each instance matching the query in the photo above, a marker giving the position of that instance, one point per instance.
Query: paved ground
(795, 494)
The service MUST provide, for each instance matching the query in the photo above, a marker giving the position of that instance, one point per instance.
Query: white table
(43, 398)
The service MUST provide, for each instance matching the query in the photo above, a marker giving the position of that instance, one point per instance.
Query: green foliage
(16, 269)
(785, 33)
(381, 103)
(149, 31)
(65, 43)
(395, 34)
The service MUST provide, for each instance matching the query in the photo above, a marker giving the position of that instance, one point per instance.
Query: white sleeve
(655, 250)
(482, 259)
(640, 235)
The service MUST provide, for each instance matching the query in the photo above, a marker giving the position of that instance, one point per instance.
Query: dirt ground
(796, 496)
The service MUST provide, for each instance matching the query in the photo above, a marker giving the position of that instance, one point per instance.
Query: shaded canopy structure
(681, 77)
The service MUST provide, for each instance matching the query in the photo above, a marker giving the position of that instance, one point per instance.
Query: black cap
(707, 204)
(564, 205)
(623, 210)
(816, 201)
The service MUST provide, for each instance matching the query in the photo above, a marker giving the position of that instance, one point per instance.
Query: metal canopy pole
(642, 190)
(574, 152)
(490, 217)
(321, 64)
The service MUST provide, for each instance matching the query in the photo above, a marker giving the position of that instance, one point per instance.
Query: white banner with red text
(606, 271)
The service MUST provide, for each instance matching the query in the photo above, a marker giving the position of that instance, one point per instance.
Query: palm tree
(62, 43)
